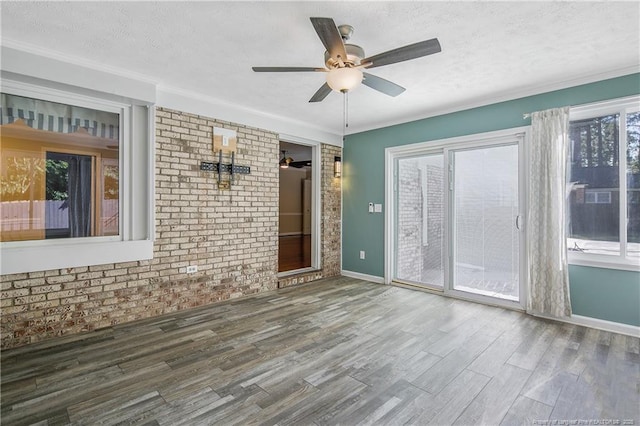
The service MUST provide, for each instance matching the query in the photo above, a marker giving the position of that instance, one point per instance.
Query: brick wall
(231, 235)
(433, 251)
(420, 247)
(409, 250)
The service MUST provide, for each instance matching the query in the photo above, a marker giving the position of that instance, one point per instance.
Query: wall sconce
(337, 167)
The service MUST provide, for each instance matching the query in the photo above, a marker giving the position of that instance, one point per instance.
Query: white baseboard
(365, 277)
(614, 327)
(599, 324)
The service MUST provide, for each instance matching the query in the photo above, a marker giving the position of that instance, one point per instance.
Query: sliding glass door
(456, 222)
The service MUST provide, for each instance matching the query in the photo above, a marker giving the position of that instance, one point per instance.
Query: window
(59, 170)
(597, 197)
(604, 184)
(76, 178)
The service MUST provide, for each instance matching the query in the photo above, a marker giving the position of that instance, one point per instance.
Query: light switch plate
(370, 207)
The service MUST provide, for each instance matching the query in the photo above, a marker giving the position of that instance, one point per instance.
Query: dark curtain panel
(80, 195)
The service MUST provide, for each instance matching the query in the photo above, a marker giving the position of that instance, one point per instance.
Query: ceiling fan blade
(330, 37)
(382, 85)
(322, 93)
(287, 69)
(411, 51)
(299, 164)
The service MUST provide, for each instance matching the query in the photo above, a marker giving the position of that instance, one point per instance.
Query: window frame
(136, 227)
(621, 106)
(597, 195)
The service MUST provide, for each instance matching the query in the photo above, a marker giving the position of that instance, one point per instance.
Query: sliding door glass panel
(485, 209)
(420, 220)
(633, 185)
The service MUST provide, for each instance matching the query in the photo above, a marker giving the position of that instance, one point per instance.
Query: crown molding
(197, 103)
(231, 112)
(511, 95)
(169, 96)
(76, 60)
(54, 73)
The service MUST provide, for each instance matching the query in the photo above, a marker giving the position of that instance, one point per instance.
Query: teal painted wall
(363, 182)
(606, 294)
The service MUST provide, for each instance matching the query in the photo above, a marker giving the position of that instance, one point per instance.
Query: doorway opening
(296, 236)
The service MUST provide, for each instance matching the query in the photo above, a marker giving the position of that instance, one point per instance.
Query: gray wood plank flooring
(336, 351)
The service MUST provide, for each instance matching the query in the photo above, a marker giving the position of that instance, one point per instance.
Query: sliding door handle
(518, 222)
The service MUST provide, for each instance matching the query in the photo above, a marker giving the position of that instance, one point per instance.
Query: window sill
(595, 261)
(20, 259)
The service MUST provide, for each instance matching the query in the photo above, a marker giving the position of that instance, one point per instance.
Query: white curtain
(546, 230)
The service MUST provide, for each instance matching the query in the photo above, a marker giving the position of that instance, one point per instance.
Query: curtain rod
(528, 114)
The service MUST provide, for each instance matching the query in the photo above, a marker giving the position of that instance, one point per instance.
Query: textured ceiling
(490, 50)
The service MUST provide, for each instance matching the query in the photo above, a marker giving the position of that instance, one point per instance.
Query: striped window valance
(55, 117)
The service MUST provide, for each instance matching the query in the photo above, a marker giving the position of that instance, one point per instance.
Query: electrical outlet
(362, 254)
(192, 269)
(377, 208)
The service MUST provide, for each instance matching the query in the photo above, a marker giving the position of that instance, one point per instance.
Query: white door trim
(444, 146)
(316, 197)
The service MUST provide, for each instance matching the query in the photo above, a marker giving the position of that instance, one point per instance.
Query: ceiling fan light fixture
(344, 79)
(284, 162)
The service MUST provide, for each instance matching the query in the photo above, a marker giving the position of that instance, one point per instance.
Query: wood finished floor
(337, 351)
(294, 252)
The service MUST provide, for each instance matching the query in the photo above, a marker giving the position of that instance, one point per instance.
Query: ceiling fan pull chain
(346, 109)
(344, 113)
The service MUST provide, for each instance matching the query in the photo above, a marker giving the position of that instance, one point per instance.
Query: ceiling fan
(286, 161)
(344, 61)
